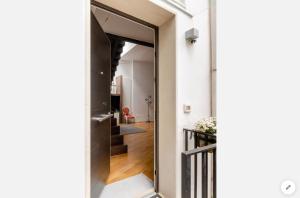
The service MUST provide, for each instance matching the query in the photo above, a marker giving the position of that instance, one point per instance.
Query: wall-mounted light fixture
(192, 35)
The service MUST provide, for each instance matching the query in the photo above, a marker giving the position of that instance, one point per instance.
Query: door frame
(156, 81)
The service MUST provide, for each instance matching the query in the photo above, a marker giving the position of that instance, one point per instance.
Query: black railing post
(215, 173)
(208, 145)
(186, 140)
(204, 175)
(186, 176)
(195, 165)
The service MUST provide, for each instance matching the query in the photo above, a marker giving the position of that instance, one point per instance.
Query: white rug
(133, 187)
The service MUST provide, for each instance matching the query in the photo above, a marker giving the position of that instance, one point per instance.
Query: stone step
(115, 130)
(117, 140)
(113, 122)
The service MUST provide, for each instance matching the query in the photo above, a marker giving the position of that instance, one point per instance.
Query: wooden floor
(140, 156)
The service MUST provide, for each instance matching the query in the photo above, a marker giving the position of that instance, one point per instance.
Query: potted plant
(207, 125)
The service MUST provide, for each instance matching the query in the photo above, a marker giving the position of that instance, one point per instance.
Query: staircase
(117, 140)
(117, 45)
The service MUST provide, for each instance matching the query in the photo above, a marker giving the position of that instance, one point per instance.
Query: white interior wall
(125, 70)
(143, 86)
(138, 83)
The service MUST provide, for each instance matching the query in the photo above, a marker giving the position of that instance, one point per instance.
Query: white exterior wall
(193, 87)
(167, 109)
(193, 66)
(193, 74)
(213, 57)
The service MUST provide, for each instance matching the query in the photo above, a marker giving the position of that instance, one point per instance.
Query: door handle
(102, 117)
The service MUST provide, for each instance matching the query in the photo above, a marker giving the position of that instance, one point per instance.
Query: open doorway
(131, 108)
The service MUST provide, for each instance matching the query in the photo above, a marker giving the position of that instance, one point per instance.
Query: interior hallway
(140, 156)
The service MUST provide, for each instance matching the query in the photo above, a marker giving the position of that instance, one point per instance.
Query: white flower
(207, 125)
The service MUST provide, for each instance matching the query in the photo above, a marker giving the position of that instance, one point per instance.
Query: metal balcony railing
(195, 183)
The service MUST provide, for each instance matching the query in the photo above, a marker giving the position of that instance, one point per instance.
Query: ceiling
(139, 53)
(147, 10)
(117, 25)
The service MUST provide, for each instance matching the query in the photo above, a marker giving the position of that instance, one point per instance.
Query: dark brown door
(100, 107)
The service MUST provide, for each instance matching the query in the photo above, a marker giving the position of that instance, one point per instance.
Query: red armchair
(126, 115)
